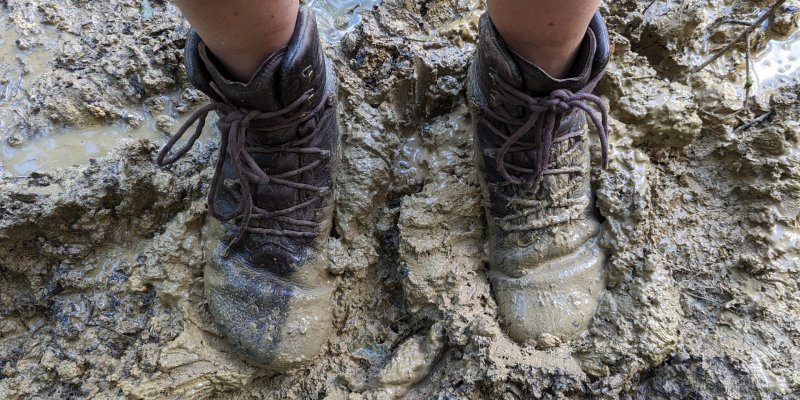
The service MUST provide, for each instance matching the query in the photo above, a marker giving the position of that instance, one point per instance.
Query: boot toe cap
(273, 321)
(557, 298)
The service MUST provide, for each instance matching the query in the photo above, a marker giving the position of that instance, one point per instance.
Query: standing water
(779, 65)
(76, 146)
(26, 55)
(338, 17)
(23, 60)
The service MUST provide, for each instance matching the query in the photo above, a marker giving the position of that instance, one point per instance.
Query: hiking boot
(546, 267)
(266, 281)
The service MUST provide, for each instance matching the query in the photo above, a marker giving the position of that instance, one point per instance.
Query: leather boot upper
(273, 184)
(532, 151)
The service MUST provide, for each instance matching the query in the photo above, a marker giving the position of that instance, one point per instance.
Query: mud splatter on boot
(266, 280)
(547, 270)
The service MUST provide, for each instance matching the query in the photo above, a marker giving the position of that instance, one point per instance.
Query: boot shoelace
(233, 125)
(544, 120)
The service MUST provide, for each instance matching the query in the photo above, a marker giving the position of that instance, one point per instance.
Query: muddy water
(23, 60)
(76, 146)
(70, 147)
(65, 147)
(779, 65)
(26, 55)
(338, 17)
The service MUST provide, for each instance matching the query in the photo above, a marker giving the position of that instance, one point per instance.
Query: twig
(640, 77)
(748, 80)
(709, 300)
(18, 112)
(730, 21)
(741, 36)
(122, 335)
(646, 9)
(119, 100)
(754, 122)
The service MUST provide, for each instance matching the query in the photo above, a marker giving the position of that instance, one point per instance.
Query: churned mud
(101, 287)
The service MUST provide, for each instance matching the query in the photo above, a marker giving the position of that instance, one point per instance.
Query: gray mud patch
(101, 290)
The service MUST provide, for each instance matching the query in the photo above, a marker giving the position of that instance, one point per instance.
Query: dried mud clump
(101, 291)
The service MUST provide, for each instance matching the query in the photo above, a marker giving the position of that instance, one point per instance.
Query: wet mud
(101, 282)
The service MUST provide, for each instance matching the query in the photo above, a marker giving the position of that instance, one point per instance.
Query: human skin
(547, 33)
(242, 33)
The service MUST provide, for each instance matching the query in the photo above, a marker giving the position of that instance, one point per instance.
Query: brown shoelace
(233, 125)
(544, 119)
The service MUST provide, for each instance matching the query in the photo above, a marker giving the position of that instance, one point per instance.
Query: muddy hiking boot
(546, 268)
(266, 281)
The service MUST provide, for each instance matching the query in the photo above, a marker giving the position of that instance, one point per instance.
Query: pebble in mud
(700, 217)
(165, 124)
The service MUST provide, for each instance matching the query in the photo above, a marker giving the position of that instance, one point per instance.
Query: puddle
(23, 60)
(26, 54)
(70, 147)
(779, 64)
(76, 146)
(775, 66)
(338, 17)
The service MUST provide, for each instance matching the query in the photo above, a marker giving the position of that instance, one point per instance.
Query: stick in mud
(741, 36)
(754, 122)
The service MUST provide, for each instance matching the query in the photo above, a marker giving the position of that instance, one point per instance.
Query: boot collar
(281, 79)
(510, 66)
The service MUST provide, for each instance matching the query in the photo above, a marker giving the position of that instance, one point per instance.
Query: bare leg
(242, 33)
(547, 33)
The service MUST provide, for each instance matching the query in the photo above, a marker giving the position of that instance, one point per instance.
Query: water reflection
(338, 17)
(779, 65)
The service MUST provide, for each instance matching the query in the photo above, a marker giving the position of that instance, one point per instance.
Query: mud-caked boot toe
(279, 320)
(546, 268)
(272, 198)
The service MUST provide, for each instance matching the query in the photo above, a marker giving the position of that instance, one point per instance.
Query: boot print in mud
(266, 280)
(546, 268)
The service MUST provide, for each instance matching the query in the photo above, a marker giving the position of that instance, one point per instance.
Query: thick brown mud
(101, 283)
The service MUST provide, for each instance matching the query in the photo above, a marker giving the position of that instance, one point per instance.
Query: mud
(101, 291)
(73, 146)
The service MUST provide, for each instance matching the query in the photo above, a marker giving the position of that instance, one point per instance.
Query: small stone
(181, 107)
(15, 140)
(680, 358)
(69, 370)
(97, 112)
(547, 341)
(164, 123)
(49, 360)
(23, 44)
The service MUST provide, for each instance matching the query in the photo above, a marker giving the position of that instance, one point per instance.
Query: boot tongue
(281, 79)
(537, 82)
